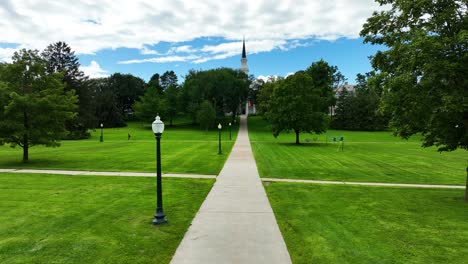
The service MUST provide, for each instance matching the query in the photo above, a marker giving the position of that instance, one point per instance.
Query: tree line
(44, 98)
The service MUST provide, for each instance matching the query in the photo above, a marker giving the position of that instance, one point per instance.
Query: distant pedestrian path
(235, 224)
(199, 176)
(108, 173)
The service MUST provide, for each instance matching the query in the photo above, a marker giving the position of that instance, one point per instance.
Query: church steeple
(243, 48)
(244, 66)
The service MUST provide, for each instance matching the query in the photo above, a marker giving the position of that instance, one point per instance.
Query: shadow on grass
(304, 145)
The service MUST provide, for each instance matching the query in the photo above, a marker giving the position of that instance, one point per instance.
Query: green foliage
(60, 58)
(93, 219)
(426, 68)
(35, 105)
(264, 94)
(324, 224)
(225, 88)
(168, 79)
(172, 102)
(206, 115)
(127, 89)
(298, 104)
(107, 109)
(359, 109)
(150, 105)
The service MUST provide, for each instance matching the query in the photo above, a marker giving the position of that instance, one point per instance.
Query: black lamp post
(158, 128)
(219, 129)
(229, 130)
(101, 139)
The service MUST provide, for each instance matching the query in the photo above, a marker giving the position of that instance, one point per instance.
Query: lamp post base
(159, 218)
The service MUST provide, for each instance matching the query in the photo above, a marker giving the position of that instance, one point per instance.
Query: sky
(143, 37)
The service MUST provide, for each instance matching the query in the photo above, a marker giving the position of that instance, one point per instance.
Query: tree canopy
(35, 105)
(298, 104)
(425, 67)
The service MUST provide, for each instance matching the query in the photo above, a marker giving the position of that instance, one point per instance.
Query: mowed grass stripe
(185, 149)
(403, 162)
(89, 219)
(360, 224)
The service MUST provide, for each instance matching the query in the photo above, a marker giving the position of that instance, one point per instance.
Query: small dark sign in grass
(92, 219)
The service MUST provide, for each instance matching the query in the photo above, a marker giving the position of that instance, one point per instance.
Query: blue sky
(144, 37)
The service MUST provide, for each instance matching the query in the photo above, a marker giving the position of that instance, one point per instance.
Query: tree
(264, 94)
(149, 105)
(35, 106)
(155, 83)
(168, 79)
(171, 97)
(426, 69)
(60, 58)
(224, 88)
(299, 105)
(327, 78)
(206, 115)
(359, 110)
(127, 89)
(107, 110)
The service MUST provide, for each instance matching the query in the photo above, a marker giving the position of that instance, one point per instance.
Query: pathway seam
(203, 176)
(235, 223)
(109, 173)
(381, 184)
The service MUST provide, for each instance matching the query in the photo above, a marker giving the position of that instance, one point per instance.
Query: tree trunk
(25, 148)
(297, 136)
(466, 189)
(25, 137)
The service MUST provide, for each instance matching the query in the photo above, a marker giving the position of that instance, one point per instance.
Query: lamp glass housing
(220, 126)
(157, 126)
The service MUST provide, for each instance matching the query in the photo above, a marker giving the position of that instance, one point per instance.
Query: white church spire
(244, 66)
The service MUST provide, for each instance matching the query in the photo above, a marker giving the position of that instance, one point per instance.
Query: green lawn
(367, 156)
(185, 149)
(348, 224)
(92, 219)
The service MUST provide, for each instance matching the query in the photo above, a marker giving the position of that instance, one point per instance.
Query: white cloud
(146, 51)
(6, 54)
(94, 70)
(90, 26)
(163, 59)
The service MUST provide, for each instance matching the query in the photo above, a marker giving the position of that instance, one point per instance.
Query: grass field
(367, 156)
(91, 219)
(185, 149)
(346, 224)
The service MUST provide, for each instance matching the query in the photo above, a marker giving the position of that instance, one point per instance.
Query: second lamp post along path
(158, 128)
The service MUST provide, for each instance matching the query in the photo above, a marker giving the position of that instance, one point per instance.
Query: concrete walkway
(109, 173)
(235, 223)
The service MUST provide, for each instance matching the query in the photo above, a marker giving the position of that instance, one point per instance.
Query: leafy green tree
(168, 79)
(299, 105)
(206, 115)
(154, 82)
(264, 94)
(35, 106)
(224, 88)
(127, 89)
(107, 110)
(60, 58)
(149, 105)
(326, 77)
(426, 69)
(359, 109)
(171, 97)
